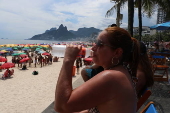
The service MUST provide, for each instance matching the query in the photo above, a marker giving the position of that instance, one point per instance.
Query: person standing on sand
(35, 60)
(78, 65)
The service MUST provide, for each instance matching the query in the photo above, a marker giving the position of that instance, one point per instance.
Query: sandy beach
(27, 93)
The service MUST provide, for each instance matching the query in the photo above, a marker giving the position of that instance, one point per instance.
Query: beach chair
(149, 108)
(143, 99)
(160, 68)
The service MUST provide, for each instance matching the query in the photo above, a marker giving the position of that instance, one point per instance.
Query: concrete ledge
(50, 108)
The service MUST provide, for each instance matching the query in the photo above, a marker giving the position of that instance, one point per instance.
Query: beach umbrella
(25, 49)
(3, 59)
(24, 60)
(15, 48)
(162, 26)
(23, 55)
(1, 52)
(4, 51)
(9, 49)
(7, 65)
(15, 54)
(41, 52)
(45, 53)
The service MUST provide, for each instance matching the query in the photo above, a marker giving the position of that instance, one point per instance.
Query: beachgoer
(110, 91)
(35, 60)
(0, 67)
(156, 46)
(30, 61)
(24, 67)
(40, 60)
(32, 54)
(90, 71)
(8, 72)
(78, 60)
(161, 46)
(144, 72)
(113, 25)
(13, 60)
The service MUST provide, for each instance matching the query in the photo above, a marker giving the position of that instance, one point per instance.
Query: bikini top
(93, 110)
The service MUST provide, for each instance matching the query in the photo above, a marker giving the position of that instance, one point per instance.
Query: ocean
(20, 41)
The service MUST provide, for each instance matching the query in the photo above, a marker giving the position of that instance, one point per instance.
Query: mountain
(55, 34)
(85, 32)
(63, 34)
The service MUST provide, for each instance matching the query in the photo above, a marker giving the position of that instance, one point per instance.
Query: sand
(27, 93)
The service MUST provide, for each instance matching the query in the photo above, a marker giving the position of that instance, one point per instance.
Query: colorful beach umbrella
(9, 49)
(7, 65)
(25, 49)
(24, 60)
(4, 51)
(162, 26)
(3, 59)
(15, 54)
(23, 55)
(45, 53)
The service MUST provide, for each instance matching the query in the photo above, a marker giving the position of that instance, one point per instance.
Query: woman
(110, 91)
(144, 72)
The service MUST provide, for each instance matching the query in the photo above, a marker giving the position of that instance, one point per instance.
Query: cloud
(26, 18)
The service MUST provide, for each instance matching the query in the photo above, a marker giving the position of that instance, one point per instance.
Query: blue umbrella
(163, 26)
(9, 49)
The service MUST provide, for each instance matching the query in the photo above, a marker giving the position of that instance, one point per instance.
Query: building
(145, 31)
(161, 16)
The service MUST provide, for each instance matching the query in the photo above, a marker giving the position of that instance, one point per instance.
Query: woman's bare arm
(64, 84)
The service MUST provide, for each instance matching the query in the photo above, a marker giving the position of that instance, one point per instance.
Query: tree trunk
(140, 19)
(130, 16)
(118, 15)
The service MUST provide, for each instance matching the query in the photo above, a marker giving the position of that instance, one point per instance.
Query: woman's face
(103, 51)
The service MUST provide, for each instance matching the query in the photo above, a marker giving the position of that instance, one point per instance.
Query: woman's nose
(94, 48)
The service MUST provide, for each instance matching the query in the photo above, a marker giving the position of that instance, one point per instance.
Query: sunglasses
(99, 43)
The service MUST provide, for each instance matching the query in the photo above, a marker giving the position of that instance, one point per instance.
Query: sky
(22, 19)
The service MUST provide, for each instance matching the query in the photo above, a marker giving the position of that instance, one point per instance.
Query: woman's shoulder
(112, 77)
(113, 74)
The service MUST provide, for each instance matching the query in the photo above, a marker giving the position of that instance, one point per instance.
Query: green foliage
(163, 35)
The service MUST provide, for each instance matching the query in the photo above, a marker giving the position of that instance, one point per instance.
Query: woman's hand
(72, 52)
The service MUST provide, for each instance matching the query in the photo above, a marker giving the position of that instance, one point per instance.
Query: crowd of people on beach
(26, 59)
(34, 58)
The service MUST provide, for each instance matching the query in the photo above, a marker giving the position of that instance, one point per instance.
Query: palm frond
(149, 8)
(117, 2)
(111, 11)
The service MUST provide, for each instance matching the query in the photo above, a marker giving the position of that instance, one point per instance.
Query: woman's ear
(118, 53)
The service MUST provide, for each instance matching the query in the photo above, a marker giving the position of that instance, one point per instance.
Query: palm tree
(149, 7)
(118, 5)
(130, 16)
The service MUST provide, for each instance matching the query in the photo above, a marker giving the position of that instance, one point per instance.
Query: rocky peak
(61, 27)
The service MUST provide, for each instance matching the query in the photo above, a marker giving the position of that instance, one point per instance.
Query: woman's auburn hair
(146, 67)
(120, 38)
